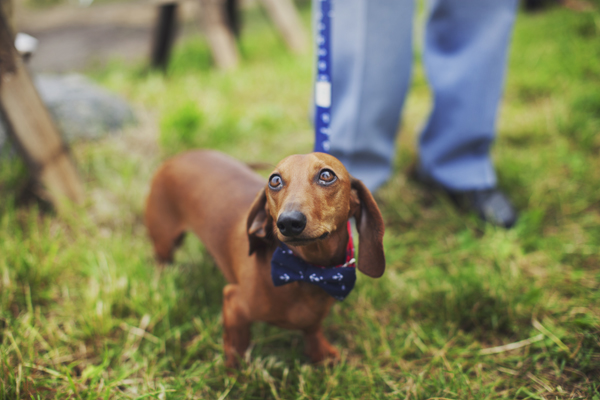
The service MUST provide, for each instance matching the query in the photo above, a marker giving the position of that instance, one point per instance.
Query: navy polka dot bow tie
(338, 281)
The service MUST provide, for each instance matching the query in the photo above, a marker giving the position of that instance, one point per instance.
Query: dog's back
(180, 193)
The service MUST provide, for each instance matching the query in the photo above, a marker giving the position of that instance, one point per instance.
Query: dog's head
(308, 199)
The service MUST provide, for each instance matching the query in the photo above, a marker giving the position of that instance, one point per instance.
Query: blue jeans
(465, 52)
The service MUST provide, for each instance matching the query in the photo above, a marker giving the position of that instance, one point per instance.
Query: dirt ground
(73, 38)
(75, 48)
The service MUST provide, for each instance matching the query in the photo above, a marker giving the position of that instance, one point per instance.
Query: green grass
(86, 313)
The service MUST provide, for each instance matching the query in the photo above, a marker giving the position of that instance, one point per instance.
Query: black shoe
(491, 205)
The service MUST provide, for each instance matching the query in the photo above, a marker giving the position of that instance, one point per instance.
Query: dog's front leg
(318, 349)
(236, 327)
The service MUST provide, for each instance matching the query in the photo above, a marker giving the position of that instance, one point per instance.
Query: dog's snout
(291, 223)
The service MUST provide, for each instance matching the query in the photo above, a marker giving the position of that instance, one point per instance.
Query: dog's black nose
(291, 223)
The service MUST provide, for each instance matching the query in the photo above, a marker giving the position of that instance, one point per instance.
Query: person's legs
(466, 46)
(371, 57)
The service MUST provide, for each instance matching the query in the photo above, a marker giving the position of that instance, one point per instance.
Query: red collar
(350, 260)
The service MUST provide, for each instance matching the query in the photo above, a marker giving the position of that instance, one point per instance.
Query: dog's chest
(307, 304)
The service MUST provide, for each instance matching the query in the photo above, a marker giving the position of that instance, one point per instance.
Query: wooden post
(220, 38)
(287, 21)
(164, 34)
(6, 7)
(32, 128)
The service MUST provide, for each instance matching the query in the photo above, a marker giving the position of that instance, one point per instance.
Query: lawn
(86, 313)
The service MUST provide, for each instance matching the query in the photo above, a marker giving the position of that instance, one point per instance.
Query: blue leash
(323, 81)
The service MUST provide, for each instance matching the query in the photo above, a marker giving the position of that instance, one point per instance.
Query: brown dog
(306, 205)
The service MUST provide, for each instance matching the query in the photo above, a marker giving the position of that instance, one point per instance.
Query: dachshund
(302, 212)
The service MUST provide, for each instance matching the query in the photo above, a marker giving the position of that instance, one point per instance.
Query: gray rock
(80, 109)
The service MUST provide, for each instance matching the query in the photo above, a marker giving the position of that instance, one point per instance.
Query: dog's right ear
(259, 225)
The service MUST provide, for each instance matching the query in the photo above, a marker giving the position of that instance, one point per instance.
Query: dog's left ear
(259, 224)
(369, 222)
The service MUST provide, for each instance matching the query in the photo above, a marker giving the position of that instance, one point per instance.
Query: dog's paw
(234, 362)
(331, 358)
(323, 353)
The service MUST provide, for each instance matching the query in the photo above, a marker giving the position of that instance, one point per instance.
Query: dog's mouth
(299, 241)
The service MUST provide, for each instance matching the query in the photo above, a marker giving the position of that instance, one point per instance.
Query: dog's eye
(327, 177)
(275, 182)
